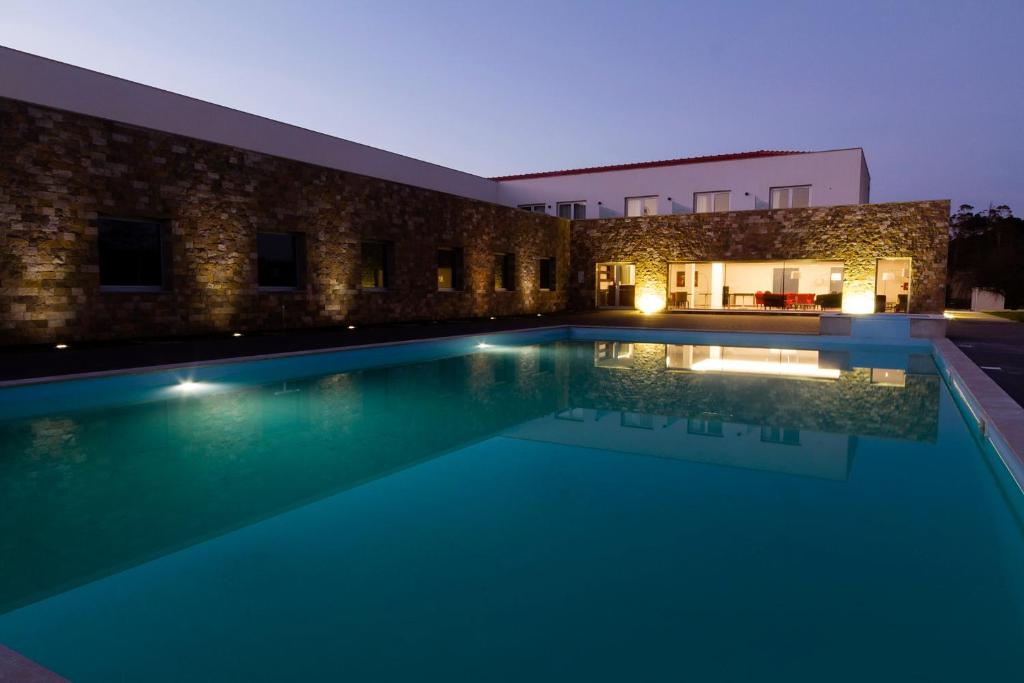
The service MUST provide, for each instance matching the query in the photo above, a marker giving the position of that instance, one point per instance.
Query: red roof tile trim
(653, 164)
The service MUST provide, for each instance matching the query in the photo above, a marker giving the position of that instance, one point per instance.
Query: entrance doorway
(616, 285)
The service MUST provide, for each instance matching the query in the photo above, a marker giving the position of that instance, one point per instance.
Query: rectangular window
(709, 202)
(533, 208)
(783, 435)
(546, 272)
(279, 260)
(572, 210)
(449, 268)
(375, 265)
(131, 253)
(705, 426)
(504, 272)
(642, 206)
(791, 197)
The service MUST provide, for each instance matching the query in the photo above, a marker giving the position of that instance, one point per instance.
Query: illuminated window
(504, 272)
(375, 265)
(449, 268)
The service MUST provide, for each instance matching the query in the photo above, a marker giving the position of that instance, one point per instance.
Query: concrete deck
(997, 347)
(29, 362)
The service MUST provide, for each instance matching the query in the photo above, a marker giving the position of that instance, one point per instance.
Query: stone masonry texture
(61, 172)
(856, 234)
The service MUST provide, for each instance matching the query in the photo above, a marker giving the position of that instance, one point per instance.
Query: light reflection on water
(710, 498)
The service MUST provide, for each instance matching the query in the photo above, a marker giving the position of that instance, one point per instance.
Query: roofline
(66, 87)
(738, 156)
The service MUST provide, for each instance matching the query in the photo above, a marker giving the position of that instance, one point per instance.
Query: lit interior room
(790, 285)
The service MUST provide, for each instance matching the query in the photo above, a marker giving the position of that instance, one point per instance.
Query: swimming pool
(562, 504)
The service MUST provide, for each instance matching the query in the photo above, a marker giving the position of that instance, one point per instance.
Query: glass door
(616, 285)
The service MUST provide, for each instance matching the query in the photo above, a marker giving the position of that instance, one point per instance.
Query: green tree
(986, 249)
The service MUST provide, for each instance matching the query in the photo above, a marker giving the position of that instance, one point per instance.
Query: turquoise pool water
(594, 506)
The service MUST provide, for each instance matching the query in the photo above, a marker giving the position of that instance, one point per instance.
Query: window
(131, 254)
(791, 197)
(636, 420)
(708, 202)
(783, 435)
(642, 206)
(278, 260)
(706, 425)
(375, 265)
(546, 271)
(534, 208)
(572, 210)
(449, 268)
(504, 272)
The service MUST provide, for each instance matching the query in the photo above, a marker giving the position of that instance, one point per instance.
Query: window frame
(505, 263)
(163, 232)
(387, 266)
(573, 206)
(532, 208)
(298, 255)
(789, 196)
(458, 268)
(655, 197)
(714, 195)
(551, 271)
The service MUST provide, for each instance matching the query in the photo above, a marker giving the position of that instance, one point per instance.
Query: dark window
(782, 435)
(376, 265)
(449, 268)
(534, 208)
(572, 210)
(131, 253)
(705, 426)
(504, 272)
(547, 273)
(280, 259)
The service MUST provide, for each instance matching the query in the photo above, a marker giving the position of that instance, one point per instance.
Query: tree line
(986, 249)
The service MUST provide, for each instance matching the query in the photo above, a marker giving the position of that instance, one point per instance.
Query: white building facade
(731, 182)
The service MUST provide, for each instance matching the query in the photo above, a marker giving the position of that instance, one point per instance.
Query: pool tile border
(998, 417)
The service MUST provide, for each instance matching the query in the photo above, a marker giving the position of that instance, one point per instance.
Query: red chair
(790, 299)
(759, 299)
(805, 299)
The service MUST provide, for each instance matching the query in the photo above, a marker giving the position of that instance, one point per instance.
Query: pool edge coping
(145, 369)
(999, 418)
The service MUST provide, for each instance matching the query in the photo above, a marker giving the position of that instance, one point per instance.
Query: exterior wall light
(858, 303)
(650, 303)
(61, 347)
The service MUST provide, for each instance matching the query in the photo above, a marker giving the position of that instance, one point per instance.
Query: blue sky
(934, 91)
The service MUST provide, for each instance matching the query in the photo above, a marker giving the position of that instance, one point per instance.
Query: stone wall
(61, 171)
(856, 234)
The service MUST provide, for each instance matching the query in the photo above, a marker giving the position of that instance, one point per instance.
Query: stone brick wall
(61, 171)
(856, 234)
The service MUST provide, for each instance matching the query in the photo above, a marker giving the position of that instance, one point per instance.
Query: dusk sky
(933, 91)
